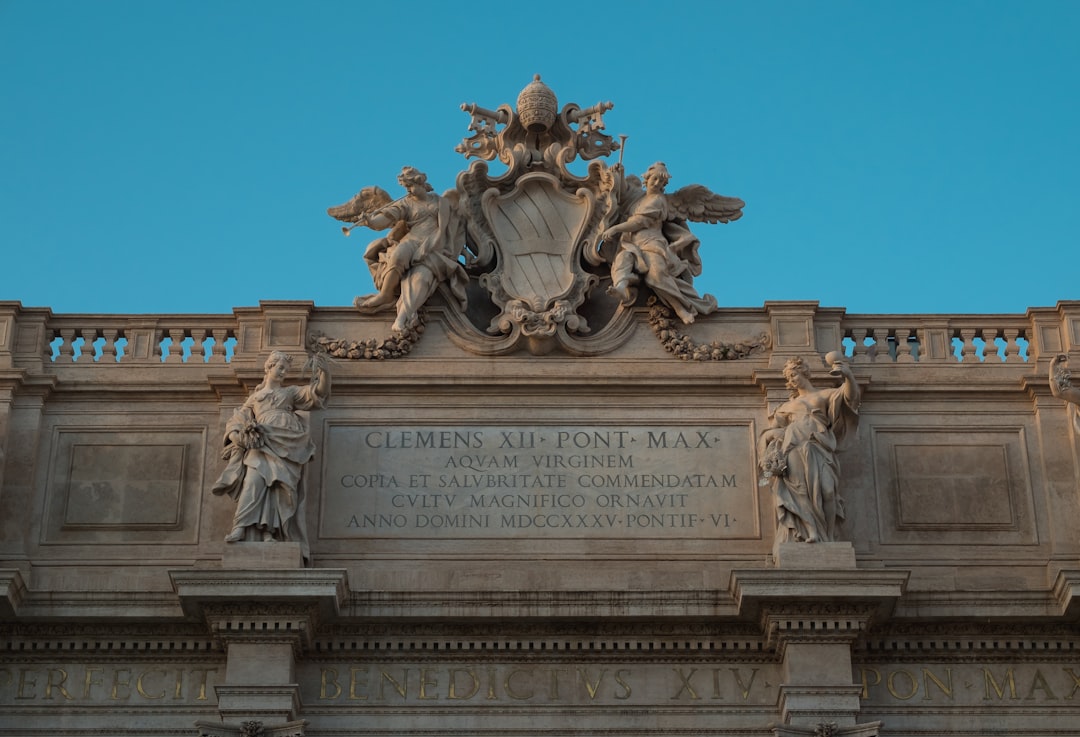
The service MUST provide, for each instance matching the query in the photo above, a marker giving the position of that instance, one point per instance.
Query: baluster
(903, 346)
(217, 351)
(990, 348)
(176, 350)
(198, 350)
(89, 335)
(158, 350)
(108, 351)
(968, 351)
(881, 346)
(67, 344)
(1012, 348)
(859, 352)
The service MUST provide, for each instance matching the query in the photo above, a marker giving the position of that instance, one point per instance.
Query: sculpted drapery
(799, 454)
(267, 444)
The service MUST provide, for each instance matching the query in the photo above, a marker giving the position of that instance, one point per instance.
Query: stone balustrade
(983, 339)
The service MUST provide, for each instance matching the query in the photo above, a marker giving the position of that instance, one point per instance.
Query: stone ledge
(326, 589)
(11, 583)
(1067, 593)
(754, 590)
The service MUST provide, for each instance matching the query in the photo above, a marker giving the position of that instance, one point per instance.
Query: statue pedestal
(262, 556)
(818, 556)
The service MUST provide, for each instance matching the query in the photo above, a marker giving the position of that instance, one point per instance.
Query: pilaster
(265, 617)
(812, 609)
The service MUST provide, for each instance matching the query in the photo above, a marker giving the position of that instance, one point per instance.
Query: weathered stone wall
(539, 544)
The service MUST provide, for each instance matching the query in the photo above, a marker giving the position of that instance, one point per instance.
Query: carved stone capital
(251, 728)
(828, 729)
(262, 605)
(810, 592)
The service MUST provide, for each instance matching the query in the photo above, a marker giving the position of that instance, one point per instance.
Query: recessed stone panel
(123, 486)
(953, 486)
(950, 485)
(107, 485)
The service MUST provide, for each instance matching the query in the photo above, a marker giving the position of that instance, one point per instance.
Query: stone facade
(539, 544)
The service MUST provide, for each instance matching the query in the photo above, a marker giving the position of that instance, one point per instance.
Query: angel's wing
(698, 203)
(366, 201)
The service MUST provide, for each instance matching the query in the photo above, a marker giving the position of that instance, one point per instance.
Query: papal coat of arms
(536, 257)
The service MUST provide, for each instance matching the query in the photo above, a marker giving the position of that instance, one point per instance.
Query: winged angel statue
(651, 240)
(421, 250)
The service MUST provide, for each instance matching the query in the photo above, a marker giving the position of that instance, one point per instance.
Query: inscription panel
(672, 481)
(471, 684)
(998, 684)
(131, 683)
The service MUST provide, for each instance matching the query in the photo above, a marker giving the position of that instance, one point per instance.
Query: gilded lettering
(89, 681)
(553, 687)
(509, 688)
(716, 684)
(590, 688)
(620, 678)
(686, 687)
(139, 683)
(866, 684)
(24, 682)
(452, 693)
(327, 679)
(357, 677)
(117, 684)
(946, 687)
(912, 685)
(178, 691)
(205, 673)
(989, 682)
(491, 695)
(1038, 683)
(58, 685)
(1075, 682)
(744, 688)
(426, 679)
(402, 686)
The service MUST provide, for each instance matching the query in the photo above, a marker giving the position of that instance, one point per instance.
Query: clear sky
(179, 156)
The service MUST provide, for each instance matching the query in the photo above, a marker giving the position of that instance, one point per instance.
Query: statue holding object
(799, 452)
(653, 243)
(267, 445)
(420, 252)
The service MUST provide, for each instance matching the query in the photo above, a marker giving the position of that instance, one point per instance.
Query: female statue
(267, 444)
(798, 452)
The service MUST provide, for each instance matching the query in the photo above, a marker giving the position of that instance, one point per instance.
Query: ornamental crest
(536, 257)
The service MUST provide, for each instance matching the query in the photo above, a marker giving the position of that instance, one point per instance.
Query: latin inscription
(478, 684)
(669, 481)
(76, 683)
(996, 683)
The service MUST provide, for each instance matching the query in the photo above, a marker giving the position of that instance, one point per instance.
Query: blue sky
(895, 157)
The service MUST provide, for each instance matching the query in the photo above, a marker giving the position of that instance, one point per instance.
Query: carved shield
(539, 228)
